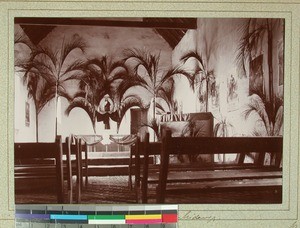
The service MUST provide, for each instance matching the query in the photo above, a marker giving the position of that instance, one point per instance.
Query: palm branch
(127, 103)
(272, 123)
(166, 93)
(154, 81)
(249, 41)
(101, 75)
(221, 128)
(202, 68)
(154, 125)
(80, 102)
(51, 69)
(21, 39)
(199, 67)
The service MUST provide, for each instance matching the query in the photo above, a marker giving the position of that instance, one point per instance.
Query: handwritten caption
(194, 215)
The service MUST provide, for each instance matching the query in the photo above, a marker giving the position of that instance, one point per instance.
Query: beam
(158, 23)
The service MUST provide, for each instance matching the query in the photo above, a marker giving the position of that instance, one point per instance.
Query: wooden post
(80, 161)
(69, 168)
(261, 158)
(130, 167)
(241, 158)
(145, 170)
(278, 154)
(163, 170)
(86, 164)
(59, 170)
(137, 166)
(78, 170)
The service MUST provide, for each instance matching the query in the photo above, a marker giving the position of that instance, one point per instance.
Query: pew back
(41, 151)
(264, 175)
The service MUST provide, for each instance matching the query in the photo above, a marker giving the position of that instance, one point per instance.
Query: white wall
(217, 41)
(23, 133)
(186, 98)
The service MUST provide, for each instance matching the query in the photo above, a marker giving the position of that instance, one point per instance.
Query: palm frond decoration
(199, 67)
(202, 74)
(21, 39)
(80, 102)
(127, 103)
(258, 33)
(166, 93)
(145, 73)
(143, 59)
(252, 33)
(154, 125)
(48, 93)
(52, 68)
(222, 128)
(100, 77)
(259, 106)
(67, 47)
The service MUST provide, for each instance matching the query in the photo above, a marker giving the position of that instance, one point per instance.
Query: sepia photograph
(148, 110)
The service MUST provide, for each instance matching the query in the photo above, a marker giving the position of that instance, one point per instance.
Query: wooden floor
(115, 190)
(100, 190)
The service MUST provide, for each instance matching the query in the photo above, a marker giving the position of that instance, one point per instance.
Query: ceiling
(171, 29)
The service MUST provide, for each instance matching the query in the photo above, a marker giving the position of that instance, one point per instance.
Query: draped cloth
(127, 140)
(90, 140)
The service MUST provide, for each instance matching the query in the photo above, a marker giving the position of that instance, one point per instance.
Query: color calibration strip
(87, 214)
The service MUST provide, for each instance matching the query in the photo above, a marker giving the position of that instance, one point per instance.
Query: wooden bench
(186, 178)
(44, 168)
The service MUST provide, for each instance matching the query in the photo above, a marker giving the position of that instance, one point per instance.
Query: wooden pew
(43, 169)
(142, 167)
(199, 177)
(75, 146)
(259, 177)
